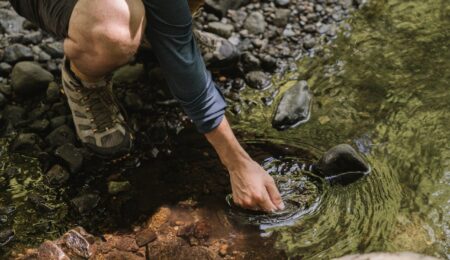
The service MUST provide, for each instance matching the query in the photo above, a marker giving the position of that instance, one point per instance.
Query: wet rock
(10, 22)
(85, 202)
(28, 78)
(268, 62)
(27, 143)
(258, 80)
(250, 62)
(57, 176)
(38, 112)
(294, 107)
(77, 244)
(51, 251)
(53, 92)
(39, 126)
(342, 164)
(123, 242)
(17, 52)
(14, 114)
(58, 121)
(116, 187)
(145, 236)
(221, 29)
(5, 69)
(255, 23)
(6, 235)
(60, 136)
(128, 74)
(220, 7)
(281, 17)
(178, 249)
(71, 155)
(39, 202)
(54, 49)
(32, 38)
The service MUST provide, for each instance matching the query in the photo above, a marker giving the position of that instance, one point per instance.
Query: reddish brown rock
(51, 251)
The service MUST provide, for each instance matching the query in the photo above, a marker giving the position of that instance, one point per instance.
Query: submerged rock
(57, 176)
(28, 78)
(294, 107)
(27, 143)
(6, 235)
(85, 202)
(342, 164)
(116, 187)
(258, 80)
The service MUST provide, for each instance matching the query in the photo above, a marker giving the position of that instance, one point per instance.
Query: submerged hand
(253, 188)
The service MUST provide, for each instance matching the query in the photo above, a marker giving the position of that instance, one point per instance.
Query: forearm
(226, 145)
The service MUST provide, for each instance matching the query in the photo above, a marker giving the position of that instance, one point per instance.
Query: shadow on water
(384, 88)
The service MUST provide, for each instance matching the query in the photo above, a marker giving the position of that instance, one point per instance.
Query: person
(102, 35)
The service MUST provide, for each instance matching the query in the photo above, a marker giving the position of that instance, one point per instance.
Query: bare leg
(103, 35)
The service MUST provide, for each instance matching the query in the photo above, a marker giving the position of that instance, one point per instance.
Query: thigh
(50, 15)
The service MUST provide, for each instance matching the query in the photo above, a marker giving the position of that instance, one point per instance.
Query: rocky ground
(35, 119)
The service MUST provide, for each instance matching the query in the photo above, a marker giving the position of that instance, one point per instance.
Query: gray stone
(255, 23)
(221, 29)
(128, 74)
(281, 17)
(71, 155)
(39, 125)
(57, 121)
(14, 114)
(309, 43)
(27, 143)
(250, 62)
(54, 49)
(17, 52)
(258, 80)
(5, 69)
(116, 187)
(85, 202)
(342, 164)
(294, 107)
(32, 38)
(5, 89)
(60, 136)
(28, 78)
(53, 92)
(10, 22)
(57, 176)
(310, 28)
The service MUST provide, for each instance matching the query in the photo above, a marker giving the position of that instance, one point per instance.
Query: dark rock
(54, 49)
(3, 100)
(128, 74)
(50, 250)
(17, 52)
(133, 101)
(38, 112)
(220, 7)
(268, 62)
(116, 187)
(250, 62)
(39, 125)
(202, 230)
(5, 69)
(71, 155)
(77, 244)
(39, 202)
(60, 136)
(61, 108)
(14, 114)
(28, 78)
(145, 236)
(310, 28)
(282, 2)
(281, 17)
(10, 22)
(258, 80)
(56, 176)
(294, 107)
(27, 143)
(85, 202)
(221, 29)
(58, 121)
(342, 164)
(255, 23)
(5, 89)
(6, 235)
(32, 38)
(53, 92)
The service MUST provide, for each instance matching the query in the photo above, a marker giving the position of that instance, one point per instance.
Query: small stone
(145, 236)
(310, 28)
(27, 143)
(221, 29)
(17, 52)
(71, 155)
(60, 136)
(116, 187)
(54, 49)
(258, 80)
(250, 62)
(324, 119)
(5, 69)
(57, 121)
(28, 78)
(32, 38)
(282, 2)
(133, 101)
(14, 114)
(85, 202)
(255, 23)
(76, 242)
(5, 89)
(53, 92)
(309, 43)
(281, 17)
(159, 218)
(294, 107)
(6, 235)
(51, 251)
(57, 176)
(128, 74)
(3, 100)
(39, 125)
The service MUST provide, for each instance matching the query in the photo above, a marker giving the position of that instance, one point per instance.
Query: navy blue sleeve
(169, 30)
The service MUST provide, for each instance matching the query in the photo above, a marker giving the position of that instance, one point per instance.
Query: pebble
(5, 69)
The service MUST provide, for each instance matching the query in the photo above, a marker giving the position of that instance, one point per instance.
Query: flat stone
(294, 107)
(57, 176)
(28, 78)
(71, 155)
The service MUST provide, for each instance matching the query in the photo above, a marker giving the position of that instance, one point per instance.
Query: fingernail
(281, 206)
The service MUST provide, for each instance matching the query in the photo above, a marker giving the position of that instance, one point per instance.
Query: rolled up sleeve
(169, 29)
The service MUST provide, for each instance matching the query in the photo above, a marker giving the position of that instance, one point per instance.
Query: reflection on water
(384, 88)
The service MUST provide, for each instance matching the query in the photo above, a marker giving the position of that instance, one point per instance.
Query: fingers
(274, 195)
(260, 202)
(265, 203)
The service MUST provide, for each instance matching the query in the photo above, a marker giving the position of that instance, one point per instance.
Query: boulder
(28, 78)
(342, 164)
(294, 107)
(255, 23)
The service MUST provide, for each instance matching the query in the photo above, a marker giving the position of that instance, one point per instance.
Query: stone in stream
(28, 78)
(27, 143)
(294, 107)
(258, 80)
(255, 23)
(77, 244)
(57, 176)
(116, 187)
(85, 202)
(71, 155)
(342, 164)
(10, 22)
(14, 114)
(60, 136)
(6, 235)
(145, 237)
(54, 49)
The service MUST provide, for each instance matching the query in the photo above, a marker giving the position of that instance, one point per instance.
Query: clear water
(383, 87)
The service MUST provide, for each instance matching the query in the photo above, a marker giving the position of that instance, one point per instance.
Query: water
(384, 88)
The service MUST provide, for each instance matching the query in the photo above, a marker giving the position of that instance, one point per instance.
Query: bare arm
(252, 187)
